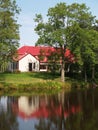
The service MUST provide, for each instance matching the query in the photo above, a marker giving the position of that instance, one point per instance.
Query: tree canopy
(72, 26)
(9, 30)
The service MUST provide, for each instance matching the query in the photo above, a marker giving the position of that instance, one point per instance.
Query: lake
(75, 110)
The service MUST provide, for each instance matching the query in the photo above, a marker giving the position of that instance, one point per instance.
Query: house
(34, 58)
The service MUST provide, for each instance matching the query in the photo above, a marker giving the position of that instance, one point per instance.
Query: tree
(9, 30)
(83, 37)
(69, 25)
(53, 32)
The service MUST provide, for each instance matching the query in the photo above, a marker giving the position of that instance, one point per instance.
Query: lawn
(29, 82)
(36, 81)
(27, 78)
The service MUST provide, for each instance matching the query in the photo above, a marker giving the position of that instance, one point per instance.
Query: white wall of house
(28, 63)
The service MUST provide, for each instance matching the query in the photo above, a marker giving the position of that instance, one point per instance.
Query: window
(42, 66)
(34, 66)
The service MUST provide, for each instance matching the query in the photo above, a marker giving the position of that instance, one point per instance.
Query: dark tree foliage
(9, 30)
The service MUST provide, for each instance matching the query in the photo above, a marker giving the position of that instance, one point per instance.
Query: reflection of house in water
(37, 107)
(28, 105)
(3, 103)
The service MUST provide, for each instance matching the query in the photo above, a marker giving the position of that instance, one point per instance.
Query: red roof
(34, 50)
(39, 50)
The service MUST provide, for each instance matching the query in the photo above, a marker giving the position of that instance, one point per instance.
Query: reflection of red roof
(45, 112)
(40, 50)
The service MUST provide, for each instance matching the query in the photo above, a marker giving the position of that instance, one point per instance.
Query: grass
(37, 82)
(26, 78)
(31, 82)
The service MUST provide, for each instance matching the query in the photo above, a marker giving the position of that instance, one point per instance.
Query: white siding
(24, 63)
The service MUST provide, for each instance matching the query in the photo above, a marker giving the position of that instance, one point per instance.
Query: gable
(28, 57)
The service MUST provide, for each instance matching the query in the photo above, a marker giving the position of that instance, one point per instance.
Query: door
(30, 66)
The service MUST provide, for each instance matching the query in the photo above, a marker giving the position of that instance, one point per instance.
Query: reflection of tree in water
(43, 124)
(30, 101)
(59, 108)
(87, 118)
(81, 112)
(8, 119)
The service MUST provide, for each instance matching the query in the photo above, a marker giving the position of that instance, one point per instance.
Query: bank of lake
(35, 82)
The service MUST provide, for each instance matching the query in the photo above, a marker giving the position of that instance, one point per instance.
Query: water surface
(77, 110)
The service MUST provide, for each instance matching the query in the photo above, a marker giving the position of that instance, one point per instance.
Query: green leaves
(9, 29)
(79, 28)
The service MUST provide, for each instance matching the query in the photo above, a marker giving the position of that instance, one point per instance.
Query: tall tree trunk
(93, 72)
(85, 74)
(63, 71)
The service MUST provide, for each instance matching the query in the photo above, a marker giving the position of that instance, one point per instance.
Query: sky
(29, 8)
